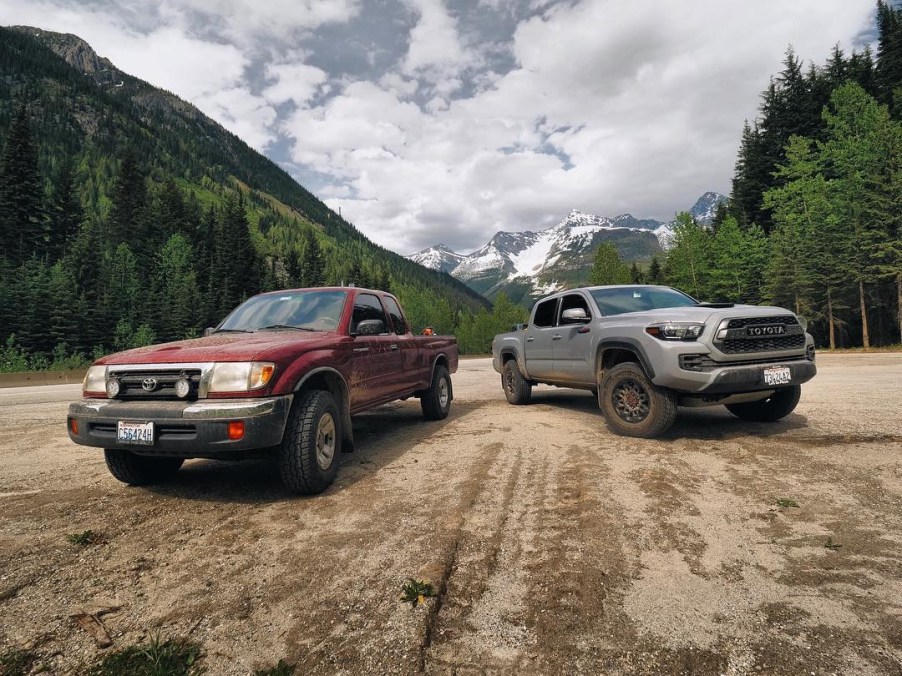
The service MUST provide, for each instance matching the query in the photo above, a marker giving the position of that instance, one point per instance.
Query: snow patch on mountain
(438, 257)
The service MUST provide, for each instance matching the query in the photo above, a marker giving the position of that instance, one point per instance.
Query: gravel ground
(555, 546)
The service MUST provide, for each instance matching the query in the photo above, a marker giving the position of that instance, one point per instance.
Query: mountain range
(528, 264)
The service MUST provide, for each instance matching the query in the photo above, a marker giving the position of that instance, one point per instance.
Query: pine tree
(66, 213)
(688, 261)
(22, 220)
(314, 267)
(607, 267)
(636, 275)
(889, 56)
(128, 217)
(655, 273)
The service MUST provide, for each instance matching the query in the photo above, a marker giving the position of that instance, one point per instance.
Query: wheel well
(507, 356)
(333, 383)
(611, 357)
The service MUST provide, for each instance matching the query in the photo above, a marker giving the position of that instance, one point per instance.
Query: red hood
(265, 346)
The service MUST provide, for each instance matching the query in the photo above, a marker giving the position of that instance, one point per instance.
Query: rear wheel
(140, 470)
(436, 401)
(778, 405)
(517, 389)
(633, 406)
(311, 446)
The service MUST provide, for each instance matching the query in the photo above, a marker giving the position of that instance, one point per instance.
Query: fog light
(73, 426)
(182, 388)
(236, 430)
(112, 388)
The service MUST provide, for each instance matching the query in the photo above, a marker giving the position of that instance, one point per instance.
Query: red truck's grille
(151, 384)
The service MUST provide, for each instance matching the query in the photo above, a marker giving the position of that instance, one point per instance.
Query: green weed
(86, 538)
(416, 592)
(787, 502)
(173, 657)
(16, 662)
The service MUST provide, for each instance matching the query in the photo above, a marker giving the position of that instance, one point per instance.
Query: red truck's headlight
(240, 376)
(95, 381)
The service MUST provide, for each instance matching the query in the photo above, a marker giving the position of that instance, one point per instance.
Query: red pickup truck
(283, 374)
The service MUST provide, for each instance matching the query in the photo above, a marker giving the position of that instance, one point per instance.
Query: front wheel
(436, 401)
(778, 405)
(311, 446)
(517, 389)
(633, 406)
(140, 470)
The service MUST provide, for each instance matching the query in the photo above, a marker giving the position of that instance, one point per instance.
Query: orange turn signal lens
(73, 426)
(236, 430)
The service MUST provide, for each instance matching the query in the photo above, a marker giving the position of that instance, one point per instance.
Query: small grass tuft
(16, 662)
(173, 657)
(787, 502)
(86, 538)
(416, 592)
(281, 669)
(832, 545)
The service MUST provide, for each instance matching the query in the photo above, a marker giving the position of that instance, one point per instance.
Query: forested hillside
(814, 222)
(129, 217)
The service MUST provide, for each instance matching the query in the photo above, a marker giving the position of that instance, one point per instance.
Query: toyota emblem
(149, 384)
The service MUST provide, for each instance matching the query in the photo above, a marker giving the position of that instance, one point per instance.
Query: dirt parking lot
(555, 546)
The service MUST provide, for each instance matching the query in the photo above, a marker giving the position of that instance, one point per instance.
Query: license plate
(135, 433)
(780, 375)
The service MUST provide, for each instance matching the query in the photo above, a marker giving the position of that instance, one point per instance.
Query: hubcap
(443, 394)
(325, 442)
(509, 381)
(631, 401)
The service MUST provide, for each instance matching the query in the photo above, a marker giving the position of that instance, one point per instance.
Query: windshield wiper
(285, 326)
(232, 331)
(715, 305)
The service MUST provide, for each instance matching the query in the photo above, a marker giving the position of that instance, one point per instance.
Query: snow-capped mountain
(438, 257)
(526, 265)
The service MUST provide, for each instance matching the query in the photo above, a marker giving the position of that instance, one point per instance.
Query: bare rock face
(74, 50)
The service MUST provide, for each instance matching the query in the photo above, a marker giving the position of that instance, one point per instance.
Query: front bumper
(182, 429)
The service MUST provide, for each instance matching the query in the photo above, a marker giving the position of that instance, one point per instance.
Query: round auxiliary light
(182, 388)
(112, 388)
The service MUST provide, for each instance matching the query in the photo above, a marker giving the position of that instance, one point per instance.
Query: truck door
(410, 374)
(540, 339)
(573, 361)
(375, 363)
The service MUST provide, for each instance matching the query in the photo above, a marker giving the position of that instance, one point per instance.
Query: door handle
(394, 347)
(556, 336)
(361, 349)
(530, 339)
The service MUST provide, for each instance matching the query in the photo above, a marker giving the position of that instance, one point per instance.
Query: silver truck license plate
(777, 375)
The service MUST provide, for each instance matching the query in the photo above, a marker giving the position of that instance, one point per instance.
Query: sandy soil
(555, 546)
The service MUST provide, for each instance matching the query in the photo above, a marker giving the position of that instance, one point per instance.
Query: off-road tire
(311, 446)
(778, 405)
(436, 400)
(632, 405)
(140, 470)
(516, 388)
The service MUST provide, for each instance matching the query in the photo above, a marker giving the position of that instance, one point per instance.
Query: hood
(701, 313)
(263, 346)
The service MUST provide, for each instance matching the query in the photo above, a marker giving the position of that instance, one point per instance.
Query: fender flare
(521, 362)
(442, 357)
(630, 345)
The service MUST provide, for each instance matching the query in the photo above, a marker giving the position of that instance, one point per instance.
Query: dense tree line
(128, 217)
(813, 222)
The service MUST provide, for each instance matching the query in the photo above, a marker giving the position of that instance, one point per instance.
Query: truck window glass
(397, 318)
(314, 310)
(620, 300)
(574, 300)
(367, 306)
(545, 313)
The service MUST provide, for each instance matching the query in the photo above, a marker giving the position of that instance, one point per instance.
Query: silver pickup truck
(644, 350)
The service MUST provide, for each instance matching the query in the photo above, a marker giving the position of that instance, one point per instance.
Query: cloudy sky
(432, 121)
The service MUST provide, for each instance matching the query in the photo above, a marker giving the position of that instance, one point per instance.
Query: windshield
(302, 310)
(619, 300)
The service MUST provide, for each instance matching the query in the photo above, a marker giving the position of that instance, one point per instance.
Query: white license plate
(777, 375)
(135, 433)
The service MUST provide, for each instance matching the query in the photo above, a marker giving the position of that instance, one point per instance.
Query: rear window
(622, 299)
(545, 312)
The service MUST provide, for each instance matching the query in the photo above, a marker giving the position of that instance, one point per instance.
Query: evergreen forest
(814, 220)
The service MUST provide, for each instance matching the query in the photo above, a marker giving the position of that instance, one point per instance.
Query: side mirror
(209, 331)
(370, 327)
(574, 315)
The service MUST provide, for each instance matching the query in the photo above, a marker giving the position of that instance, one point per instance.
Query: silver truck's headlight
(676, 330)
(95, 381)
(240, 376)
(802, 322)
